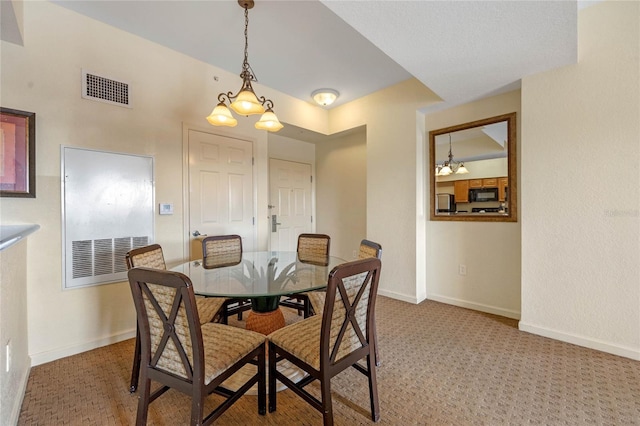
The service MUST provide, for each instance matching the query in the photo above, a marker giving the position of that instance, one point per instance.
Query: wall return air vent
(104, 89)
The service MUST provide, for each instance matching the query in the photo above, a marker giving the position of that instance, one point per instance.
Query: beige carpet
(441, 365)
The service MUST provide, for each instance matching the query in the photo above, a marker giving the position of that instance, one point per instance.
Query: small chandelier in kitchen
(245, 102)
(450, 166)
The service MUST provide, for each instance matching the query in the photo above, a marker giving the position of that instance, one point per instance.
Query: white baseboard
(22, 389)
(587, 342)
(398, 296)
(475, 306)
(44, 357)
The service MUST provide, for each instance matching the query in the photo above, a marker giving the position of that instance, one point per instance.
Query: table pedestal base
(265, 322)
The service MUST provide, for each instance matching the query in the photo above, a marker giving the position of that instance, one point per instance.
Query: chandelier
(245, 102)
(451, 165)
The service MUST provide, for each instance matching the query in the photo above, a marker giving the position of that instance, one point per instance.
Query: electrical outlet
(462, 269)
(354, 254)
(8, 356)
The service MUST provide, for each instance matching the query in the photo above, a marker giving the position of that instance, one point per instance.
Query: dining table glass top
(258, 274)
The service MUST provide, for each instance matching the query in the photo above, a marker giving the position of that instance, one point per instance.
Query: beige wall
(489, 250)
(395, 143)
(169, 90)
(581, 188)
(13, 317)
(342, 192)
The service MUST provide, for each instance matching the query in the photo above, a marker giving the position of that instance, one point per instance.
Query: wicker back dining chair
(221, 249)
(221, 244)
(325, 345)
(151, 256)
(180, 353)
(367, 250)
(312, 248)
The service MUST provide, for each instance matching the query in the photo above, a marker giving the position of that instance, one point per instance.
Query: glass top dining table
(261, 276)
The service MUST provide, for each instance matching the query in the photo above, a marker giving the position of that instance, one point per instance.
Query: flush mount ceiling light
(245, 102)
(325, 97)
(450, 166)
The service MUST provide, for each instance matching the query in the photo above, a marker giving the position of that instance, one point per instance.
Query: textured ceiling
(461, 50)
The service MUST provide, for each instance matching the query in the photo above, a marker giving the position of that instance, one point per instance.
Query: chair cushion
(208, 308)
(225, 345)
(302, 339)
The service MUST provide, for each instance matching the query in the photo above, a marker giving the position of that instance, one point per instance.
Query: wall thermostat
(166, 208)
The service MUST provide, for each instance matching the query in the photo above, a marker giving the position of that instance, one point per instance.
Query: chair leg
(135, 370)
(197, 408)
(327, 406)
(375, 343)
(143, 401)
(373, 388)
(272, 377)
(307, 307)
(224, 318)
(262, 391)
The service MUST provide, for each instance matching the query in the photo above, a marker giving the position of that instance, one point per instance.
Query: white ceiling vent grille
(108, 90)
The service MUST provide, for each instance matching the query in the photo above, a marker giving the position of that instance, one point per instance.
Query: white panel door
(220, 187)
(290, 202)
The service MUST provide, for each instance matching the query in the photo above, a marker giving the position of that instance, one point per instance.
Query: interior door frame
(186, 200)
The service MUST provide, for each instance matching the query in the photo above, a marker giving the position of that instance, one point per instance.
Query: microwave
(484, 194)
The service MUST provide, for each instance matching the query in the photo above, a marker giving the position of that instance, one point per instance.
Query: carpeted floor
(441, 365)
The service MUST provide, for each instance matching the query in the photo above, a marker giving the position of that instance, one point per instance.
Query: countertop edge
(11, 234)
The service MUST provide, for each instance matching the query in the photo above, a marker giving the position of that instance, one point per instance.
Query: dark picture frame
(17, 153)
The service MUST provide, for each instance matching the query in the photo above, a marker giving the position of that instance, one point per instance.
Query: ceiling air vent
(108, 90)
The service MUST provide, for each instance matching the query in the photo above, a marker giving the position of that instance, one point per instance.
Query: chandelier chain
(245, 101)
(245, 64)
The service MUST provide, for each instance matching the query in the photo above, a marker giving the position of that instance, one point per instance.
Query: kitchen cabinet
(490, 183)
(461, 191)
(475, 183)
(483, 183)
(503, 183)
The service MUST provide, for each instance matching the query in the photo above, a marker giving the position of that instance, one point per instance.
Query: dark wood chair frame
(300, 301)
(234, 306)
(378, 248)
(329, 365)
(135, 369)
(193, 384)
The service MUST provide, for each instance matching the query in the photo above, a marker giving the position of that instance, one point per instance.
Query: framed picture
(17, 153)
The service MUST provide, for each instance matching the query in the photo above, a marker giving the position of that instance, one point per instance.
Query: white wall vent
(108, 90)
(107, 209)
(105, 256)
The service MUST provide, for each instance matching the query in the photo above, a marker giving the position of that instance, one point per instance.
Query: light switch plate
(166, 208)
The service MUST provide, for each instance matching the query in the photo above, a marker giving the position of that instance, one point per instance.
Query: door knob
(196, 233)
(274, 223)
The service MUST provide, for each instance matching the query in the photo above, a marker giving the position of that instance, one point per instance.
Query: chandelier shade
(221, 116)
(245, 102)
(269, 122)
